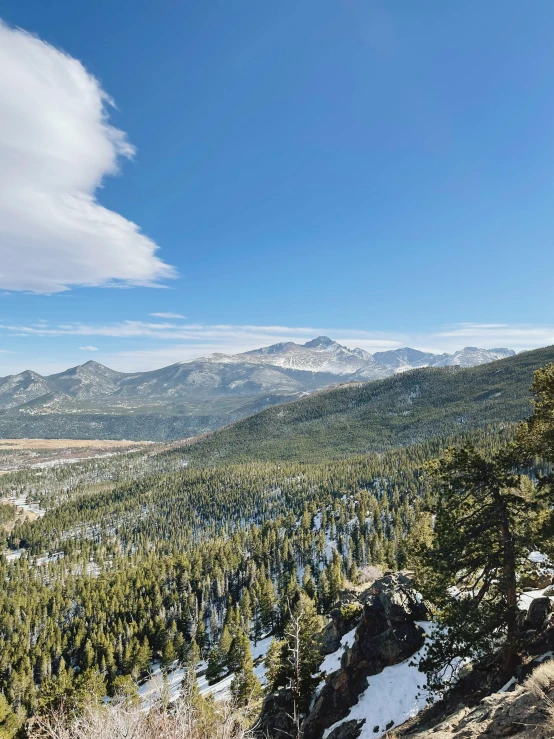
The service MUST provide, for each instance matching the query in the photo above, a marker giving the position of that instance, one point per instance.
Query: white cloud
(56, 146)
(221, 337)
(167, 315)
(142, 345)
(88, 348)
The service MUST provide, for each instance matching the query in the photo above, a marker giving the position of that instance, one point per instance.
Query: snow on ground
(12, 555)
(219, 690)
(258, 651)
(330, 546)
(21, 503)
(525, 599)
(332, 661)
(153, 688)
(394, 695)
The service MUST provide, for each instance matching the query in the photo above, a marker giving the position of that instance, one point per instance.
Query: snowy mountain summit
(325, 355)
(319, 355)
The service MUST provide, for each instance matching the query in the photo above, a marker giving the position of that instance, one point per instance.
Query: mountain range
(187, 398)
(415, 407)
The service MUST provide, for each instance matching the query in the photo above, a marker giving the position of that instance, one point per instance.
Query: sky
(180, 178)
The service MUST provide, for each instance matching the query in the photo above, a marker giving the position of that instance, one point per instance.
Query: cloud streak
(56, 147)
(149, 344)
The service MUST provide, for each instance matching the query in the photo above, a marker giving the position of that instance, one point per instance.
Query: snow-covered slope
(471, 356)
(320, 355)
(325, 355)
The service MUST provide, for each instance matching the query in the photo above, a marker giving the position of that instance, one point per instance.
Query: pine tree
(245, 606)
(308, 583)
(126, 691)
(225, 641)
(482, 535)
(245, 685)
(240, 647)
(168, 655)
(10, 721)
(294, 660)
(216, 664)
(276, 664)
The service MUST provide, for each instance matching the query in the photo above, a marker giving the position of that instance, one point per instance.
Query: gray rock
(398, 598)
(343, 618)
(537, 613)
(347, 730)
(275, 715)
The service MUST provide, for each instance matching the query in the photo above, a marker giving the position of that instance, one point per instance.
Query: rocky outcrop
(526, 712)
(396, 594)
(344, 616)
(347, 730)
(538, 613)
(482, 703)
(387, 634)
(275, 718)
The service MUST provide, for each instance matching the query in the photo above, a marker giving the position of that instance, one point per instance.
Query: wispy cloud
(141, 345)
(88, 348)
(56, 146)
(167, 315)
(221, 335)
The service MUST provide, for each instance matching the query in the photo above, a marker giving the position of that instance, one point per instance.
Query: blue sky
(378, 171)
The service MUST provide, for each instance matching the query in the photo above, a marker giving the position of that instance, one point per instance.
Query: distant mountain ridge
(325, 355)
(208, 391)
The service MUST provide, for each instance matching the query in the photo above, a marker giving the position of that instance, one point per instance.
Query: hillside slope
(400, 410)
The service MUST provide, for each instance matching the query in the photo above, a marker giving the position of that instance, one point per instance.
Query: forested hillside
(402, 410)
(120, 573)
(151, 559)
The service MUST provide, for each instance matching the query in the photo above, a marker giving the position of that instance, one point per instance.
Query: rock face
(525, 712)
(347, 730)
(396, 594)
(275, 717)
(476, 707)
(537, 613)
(344, 616)
(387, 634)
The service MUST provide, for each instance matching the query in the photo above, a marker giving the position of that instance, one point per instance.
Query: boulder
(536, 580)
(347, 730)
(543, 580)
(275, 715)
(537, 613)
(399, 600)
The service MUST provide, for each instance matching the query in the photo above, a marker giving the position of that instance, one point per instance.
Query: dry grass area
(20, 454)
(124, 721)
(96, 444)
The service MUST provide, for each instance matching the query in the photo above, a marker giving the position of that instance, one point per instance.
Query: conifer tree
(483, 532)
(216, 664)
(240, 648)
(10, 721)
(245, 686)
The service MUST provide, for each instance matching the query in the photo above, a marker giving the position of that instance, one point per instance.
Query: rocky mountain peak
(322, 342)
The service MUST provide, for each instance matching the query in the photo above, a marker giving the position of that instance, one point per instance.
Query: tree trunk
(510, 586)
